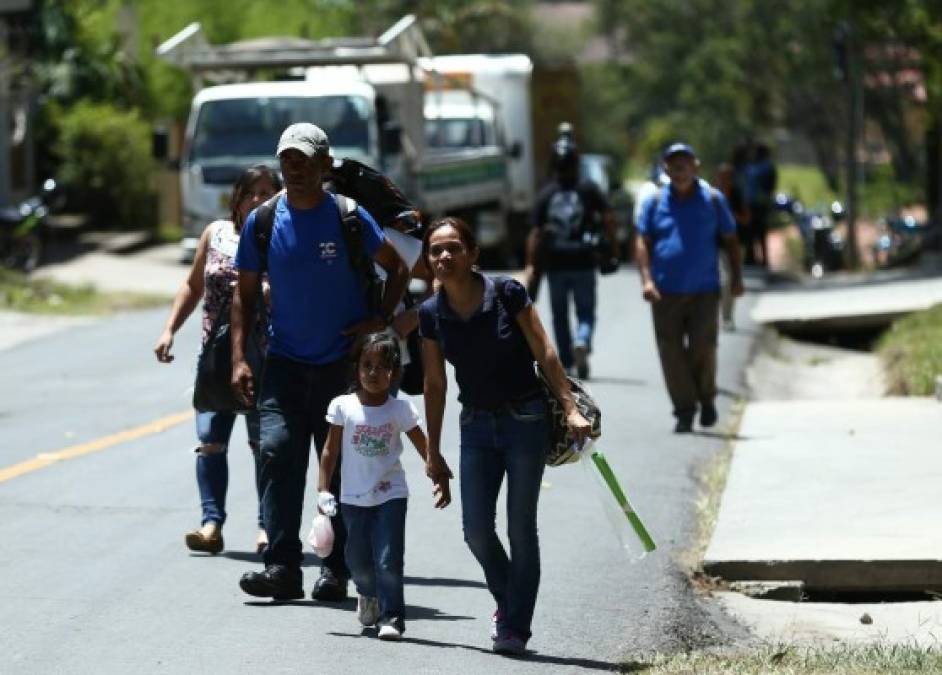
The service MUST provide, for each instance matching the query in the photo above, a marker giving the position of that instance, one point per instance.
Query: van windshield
(251, 127)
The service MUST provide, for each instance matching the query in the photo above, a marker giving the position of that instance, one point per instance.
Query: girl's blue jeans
(212, 467)
(510, 441)
(375, 552)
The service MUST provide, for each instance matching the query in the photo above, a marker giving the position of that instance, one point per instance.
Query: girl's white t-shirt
(370, 470)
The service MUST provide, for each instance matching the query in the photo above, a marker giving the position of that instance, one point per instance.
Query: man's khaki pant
(686, 328)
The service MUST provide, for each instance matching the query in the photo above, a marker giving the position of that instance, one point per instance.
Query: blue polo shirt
(685, 232)
(493, 362)
(315, 294)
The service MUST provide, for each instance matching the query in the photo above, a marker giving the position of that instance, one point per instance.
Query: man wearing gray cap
(680, 230)
(318, 308)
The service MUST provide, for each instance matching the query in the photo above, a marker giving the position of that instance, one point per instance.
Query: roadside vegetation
(911, 351)
(789, 660)
(40, 296)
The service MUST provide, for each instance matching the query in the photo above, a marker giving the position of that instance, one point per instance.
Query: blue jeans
(293, 400)
(581, 285)
(376, 546)
(213, 429)
(508, 441)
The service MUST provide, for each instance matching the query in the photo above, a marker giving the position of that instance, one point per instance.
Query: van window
(458, 132)
(251, 127)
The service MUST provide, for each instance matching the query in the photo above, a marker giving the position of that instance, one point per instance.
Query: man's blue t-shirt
(315, 294)
(684, 232)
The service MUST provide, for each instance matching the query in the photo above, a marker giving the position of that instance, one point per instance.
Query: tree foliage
(716, 73)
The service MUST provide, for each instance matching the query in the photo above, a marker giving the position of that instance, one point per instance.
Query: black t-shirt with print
(571, 223)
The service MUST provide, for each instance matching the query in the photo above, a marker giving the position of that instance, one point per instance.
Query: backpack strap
(361, 262)
(714, 200)
(264, 224)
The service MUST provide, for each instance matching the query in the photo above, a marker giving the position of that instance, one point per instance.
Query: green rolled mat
(633, 519)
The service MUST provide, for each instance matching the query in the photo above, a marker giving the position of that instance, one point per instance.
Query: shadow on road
(576, 662)
(253, 557)
(628, 381)
(722, 435)
(444, 582)
(413, 612)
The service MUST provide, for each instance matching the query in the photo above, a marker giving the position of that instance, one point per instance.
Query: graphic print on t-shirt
(565, 212)
(372, 441)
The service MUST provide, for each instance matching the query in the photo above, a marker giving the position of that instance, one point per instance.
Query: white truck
(367, 94)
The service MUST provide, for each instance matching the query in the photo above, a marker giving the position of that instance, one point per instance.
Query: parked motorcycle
(901, 241)
(822, 244)
(23, 229)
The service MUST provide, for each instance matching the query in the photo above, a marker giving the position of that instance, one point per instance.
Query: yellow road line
(46, 458)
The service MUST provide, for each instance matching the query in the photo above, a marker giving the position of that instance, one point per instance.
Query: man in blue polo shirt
(318, 307)
(680, 230)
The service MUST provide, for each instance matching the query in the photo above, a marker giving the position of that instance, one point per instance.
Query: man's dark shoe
(278, 582)
(684, 424)
(329, 588)
(708, 415)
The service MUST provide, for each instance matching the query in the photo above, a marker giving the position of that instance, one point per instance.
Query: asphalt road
(96, 579)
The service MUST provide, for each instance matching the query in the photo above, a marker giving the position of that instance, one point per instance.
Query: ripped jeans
(213, 429)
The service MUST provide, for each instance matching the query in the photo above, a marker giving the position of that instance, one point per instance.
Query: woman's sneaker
(509, 644)
(367, 610)
(496, 619)
(388, 630)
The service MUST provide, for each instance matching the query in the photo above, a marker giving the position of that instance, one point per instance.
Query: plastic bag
(627, 525)
(321, 537)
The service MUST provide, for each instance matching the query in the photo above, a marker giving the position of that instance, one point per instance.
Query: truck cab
(235, 126)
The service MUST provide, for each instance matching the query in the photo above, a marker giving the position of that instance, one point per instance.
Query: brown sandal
(197, 541)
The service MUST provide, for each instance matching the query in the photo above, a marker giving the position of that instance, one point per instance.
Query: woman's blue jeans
(213, 429)
(508, 441)
(375, 551)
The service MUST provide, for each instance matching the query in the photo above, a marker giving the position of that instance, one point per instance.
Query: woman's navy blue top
(493, 362)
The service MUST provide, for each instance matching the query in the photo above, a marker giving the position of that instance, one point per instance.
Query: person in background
(573, 232)
(762, 179)
(726, 184)
(679, 234)
(212, 279)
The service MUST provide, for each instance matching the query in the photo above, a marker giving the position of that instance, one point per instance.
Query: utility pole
(846, 69)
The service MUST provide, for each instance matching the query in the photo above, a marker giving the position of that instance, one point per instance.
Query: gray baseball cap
(306, 137)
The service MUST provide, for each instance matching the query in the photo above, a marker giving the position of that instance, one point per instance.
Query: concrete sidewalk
(847, 306)
(842, 495)
(156, 270)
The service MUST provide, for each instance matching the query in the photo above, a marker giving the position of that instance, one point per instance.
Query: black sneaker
(278, 582)
(329, 588)
(684, 424)
(708, 415)
(581, 356)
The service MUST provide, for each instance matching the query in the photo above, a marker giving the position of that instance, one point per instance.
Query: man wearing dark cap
(318, 308)
(680, 230)
(573, 234)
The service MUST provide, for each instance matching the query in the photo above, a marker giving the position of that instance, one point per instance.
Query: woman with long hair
(488, 329)
(212, 279)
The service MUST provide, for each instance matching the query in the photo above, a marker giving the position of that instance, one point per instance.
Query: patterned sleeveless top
(220, 278)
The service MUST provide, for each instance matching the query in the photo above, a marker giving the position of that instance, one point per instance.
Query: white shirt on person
(370, 469)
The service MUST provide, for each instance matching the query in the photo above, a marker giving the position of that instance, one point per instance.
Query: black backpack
(376, 193)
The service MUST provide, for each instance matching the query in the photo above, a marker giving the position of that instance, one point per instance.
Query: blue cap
(679, 149)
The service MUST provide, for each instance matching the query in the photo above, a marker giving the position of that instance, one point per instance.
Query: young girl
(366, 425)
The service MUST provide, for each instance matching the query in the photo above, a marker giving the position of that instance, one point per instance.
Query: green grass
(805, 183)
(39, 296)
(842, 659)
(911, 351)
(168, 233)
